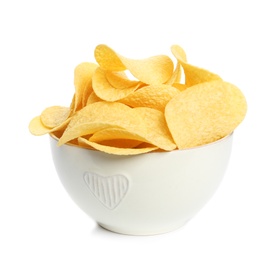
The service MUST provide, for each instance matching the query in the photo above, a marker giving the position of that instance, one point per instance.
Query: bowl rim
(152, 152)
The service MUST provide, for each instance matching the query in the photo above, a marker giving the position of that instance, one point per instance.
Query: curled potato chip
(120, 80)
(92, 98)
(179, 53)
(154, 70)
(205, 113)
(154, 128)
(179, 86)
(193, 75)
(120, 143)
(54, 116)
(153, 96)
(36, 127)
(83, 83)
(104, 90)
(176, 76)
(97, 116)
(148, 123)
(108, 59)
(116, 150)
(115, 133)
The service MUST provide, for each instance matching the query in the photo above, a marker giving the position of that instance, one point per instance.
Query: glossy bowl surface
(143, 194)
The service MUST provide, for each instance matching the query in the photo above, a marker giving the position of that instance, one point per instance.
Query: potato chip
(108, 59)
(154, 70)
(116, 150)
(193, 75)
(54, 116)
(92, 98)
(176, 76)
(83, 83)
(36, 127)
(120, 80)
(153, 96)
(153, 128)
(179, 86)
(104, 90)
(98, 116)
(205, 113)
(112, 133)
(148, 123)
(120, 143)
(179, 53)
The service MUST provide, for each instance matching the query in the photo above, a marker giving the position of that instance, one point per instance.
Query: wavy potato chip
(83, 74)
(179, 53)
(193, 75)
(148, 123)
(105, 91)
(154, 70)
(112, 133)
(205, 113)
(154, 128)
(92, 99)
(176, 75)
(108, 59)
(153, 96)
(54, 116)
(116, 150)
(97, 116)
(120, 80)
(36, 127)
(120, 143)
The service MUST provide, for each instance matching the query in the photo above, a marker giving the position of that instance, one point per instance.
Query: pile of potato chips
(129, 106)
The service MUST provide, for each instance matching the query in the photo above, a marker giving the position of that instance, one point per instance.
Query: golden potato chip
(108, 59)
(55, 116)
(116, 150)
(153, 96)
(205, 113)
(121, 143)
(148, 123)
(154, 70)
(179, 86)
(97, 116)
(36, 127)
(104, 90)
(83, 83)
(92, 98)
(176, 76)
(193, 75)
(119, 79)
(179, 53)
(153, 128)
(115, 133)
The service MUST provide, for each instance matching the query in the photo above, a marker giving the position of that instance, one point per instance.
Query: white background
(41, 43)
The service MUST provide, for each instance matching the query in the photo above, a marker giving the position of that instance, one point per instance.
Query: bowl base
(142, 232)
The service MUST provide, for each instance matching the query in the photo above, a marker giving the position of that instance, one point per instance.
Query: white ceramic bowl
(144, 194)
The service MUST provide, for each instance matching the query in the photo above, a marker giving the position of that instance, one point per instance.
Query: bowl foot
(142, 232)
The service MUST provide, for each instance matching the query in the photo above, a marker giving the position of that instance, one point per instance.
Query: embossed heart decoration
(109, 190)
